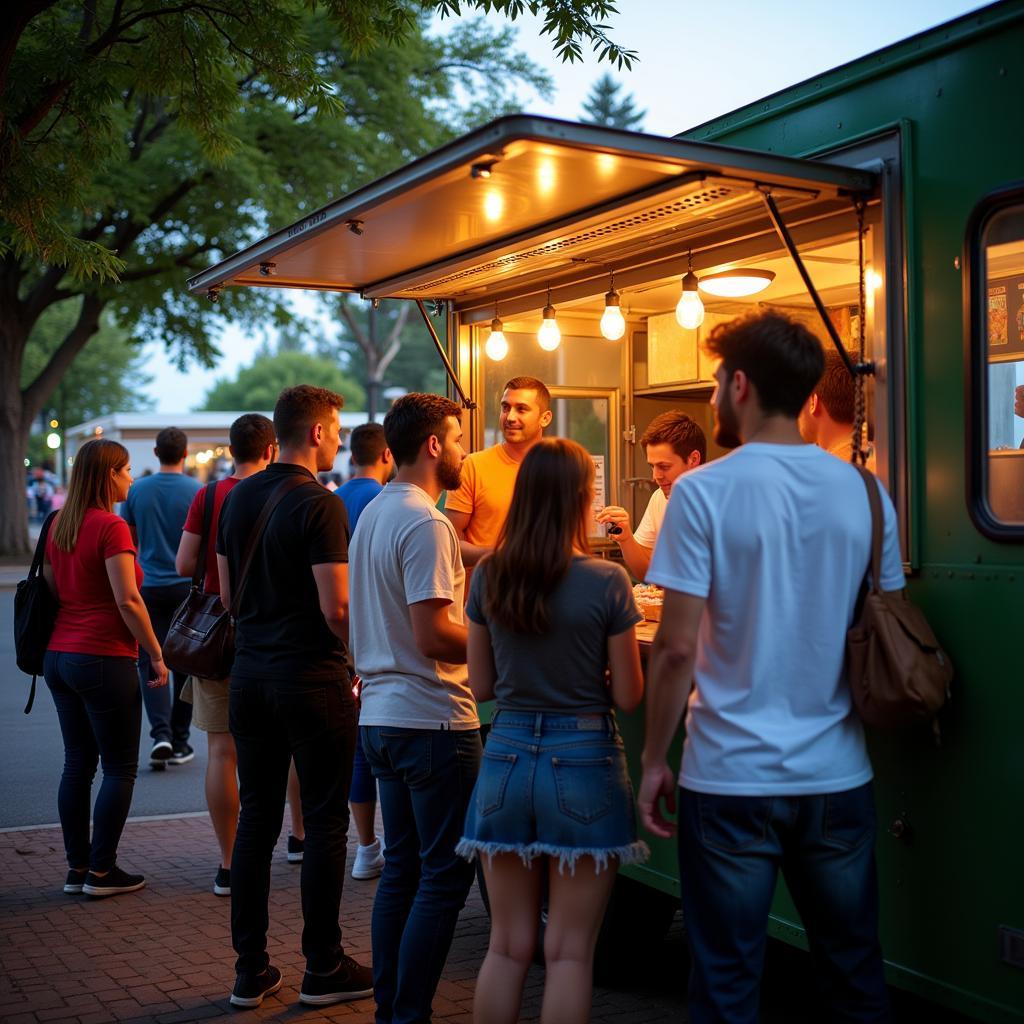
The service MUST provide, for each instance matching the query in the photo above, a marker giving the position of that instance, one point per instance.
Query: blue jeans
(425, 778)
(100, 713)
(169, 716)
(273, 721)
(731, 849)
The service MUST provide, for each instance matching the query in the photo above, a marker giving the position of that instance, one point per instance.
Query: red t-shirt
(88, 619)
(194, 524)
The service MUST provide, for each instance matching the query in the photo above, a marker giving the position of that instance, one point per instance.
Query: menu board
(1006, 317)
(600, 496)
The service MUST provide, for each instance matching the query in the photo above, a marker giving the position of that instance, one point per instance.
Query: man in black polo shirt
(291, 695)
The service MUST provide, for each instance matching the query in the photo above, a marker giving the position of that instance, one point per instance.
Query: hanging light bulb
(613, 324)
(689, 309)
(496, 346)
(549, 337)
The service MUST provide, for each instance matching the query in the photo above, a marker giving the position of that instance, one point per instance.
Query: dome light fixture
(613, 324)
(549, 337)
(736, 284)
(689, 308)
(496, 345)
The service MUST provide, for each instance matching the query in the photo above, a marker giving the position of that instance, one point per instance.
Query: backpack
(35, 612)
(898, 673)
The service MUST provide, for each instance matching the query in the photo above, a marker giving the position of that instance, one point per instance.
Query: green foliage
(256, 387)
(603, 106)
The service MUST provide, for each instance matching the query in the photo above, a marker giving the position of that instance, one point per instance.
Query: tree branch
(394, 344)
(181, 260)
(362, 339)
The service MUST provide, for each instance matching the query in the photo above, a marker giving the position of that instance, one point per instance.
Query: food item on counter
(649, 600)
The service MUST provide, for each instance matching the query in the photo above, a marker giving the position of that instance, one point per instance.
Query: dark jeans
(425, 779)
(273, 721)
(169, 716)
(100, 714)
(730, 851)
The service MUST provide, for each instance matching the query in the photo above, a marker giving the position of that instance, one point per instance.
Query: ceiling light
(735, 284)
(549, 337)
(689, 308)
(613, 324)
(496, 346)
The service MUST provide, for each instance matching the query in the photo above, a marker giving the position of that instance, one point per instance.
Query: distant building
(207, 438)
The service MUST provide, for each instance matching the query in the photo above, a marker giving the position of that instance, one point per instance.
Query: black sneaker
(349, 981)
(181, 754)
(160, 754)
(295, 849)
(113, 883)
(222, 883)
(76, 879)
(250, 989)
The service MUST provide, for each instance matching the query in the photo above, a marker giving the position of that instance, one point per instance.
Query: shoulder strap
(286, 485)
(40, 554)
(871, 483)
(199, 572)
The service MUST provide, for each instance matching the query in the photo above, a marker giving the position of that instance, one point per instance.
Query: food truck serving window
(995, 301)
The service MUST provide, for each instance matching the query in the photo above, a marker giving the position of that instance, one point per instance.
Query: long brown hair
(546, 520)
(90, 486)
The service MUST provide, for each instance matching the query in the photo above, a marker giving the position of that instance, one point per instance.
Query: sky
(697, 60)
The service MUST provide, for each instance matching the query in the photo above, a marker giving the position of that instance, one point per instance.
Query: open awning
(526, 201)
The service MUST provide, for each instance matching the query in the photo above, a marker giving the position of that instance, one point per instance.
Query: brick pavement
(163, 955)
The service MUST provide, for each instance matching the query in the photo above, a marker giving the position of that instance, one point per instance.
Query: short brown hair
(250, 437)
(835, 389)
(366, 443)
(171, 446)
(531, 384)
(298, 408)
(412, 419)
(780, 356)
(679, 430)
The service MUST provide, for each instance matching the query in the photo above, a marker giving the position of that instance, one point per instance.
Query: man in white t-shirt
(418, 723)
(762, 554)
(673, 444)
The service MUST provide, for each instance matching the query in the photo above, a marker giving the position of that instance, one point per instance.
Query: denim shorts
(555, 785)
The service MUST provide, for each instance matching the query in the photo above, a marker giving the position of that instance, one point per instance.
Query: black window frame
(976, 397)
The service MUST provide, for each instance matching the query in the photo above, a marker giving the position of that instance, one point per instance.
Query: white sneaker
(369, 861)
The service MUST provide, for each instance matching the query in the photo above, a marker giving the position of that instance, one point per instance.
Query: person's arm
(332, 589)
(188, 554)
(471, 553)
(121, 573)
(480, 658)
(627, 677)
(435, 634)
(224, 575)
(670, 674)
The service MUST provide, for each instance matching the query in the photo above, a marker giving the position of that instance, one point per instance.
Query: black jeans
(100, 714)
(314, 723)
(169, 716)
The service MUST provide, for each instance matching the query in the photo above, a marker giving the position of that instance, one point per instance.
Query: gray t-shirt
(405, 551)
(562, 670)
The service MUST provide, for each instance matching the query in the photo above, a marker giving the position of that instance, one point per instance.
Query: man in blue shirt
(156, 509)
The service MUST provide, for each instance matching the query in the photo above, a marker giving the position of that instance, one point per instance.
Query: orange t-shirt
(485, 494)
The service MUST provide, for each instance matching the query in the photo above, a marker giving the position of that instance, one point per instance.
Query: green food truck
(881, 203)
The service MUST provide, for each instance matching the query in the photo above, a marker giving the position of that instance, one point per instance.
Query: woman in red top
(90, 664)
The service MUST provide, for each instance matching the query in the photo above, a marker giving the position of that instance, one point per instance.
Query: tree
(257, 386)
(140, 143)
(603, 106)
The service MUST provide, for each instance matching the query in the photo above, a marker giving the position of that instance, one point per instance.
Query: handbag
(35, 612)
(899, 674)
(201, 637)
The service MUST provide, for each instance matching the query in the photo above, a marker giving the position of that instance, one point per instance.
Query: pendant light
(689, 309)
(496, 346)
(735, 284)
(613, 324)
(549, 337)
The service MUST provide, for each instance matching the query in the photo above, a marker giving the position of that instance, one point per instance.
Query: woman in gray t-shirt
(545, 622)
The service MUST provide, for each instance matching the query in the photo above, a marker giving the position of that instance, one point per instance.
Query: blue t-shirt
(357, 494)
(157, 507)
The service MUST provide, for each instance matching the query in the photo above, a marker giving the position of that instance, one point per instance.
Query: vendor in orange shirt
(478, 508)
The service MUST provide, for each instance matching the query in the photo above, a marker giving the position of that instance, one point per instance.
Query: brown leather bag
(898, 673)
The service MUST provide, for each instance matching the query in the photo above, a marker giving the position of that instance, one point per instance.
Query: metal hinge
(629, 435)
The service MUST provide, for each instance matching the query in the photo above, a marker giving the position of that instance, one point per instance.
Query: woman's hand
(158, 671)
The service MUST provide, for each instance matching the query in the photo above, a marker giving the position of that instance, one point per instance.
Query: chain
(859, 455)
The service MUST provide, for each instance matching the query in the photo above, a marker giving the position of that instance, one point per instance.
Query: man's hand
(615, 516)
(658, 783)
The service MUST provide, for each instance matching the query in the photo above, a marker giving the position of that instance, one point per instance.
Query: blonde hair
(91, 486)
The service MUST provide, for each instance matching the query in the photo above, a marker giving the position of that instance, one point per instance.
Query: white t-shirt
(405, 551)
(646, 534)
(777, 538)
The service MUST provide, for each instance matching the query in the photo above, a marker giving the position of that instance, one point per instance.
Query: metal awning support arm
(467, 403)
(855, 369)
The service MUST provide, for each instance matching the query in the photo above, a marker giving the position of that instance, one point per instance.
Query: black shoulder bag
(35, 612)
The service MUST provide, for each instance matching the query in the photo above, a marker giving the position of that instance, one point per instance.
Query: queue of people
(761, 554)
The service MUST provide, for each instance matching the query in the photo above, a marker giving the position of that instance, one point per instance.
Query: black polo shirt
(280, 632)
